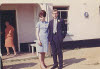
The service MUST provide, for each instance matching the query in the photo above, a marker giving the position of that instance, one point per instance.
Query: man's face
(55, 14)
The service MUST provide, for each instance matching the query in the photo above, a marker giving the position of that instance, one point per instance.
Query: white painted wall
(25, 15)
(26, 19)
(79, 27)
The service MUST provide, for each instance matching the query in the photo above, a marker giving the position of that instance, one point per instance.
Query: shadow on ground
(71, 61)
(19, 66)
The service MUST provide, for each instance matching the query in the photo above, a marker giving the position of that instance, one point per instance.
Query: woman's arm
(49, 32)
(37, 35)
(11, 32)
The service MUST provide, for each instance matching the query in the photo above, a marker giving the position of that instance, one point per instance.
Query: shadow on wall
(19, 66)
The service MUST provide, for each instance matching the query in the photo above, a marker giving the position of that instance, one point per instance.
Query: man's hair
(55, 10)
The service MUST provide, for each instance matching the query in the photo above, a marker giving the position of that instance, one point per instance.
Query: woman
(42, 37)
(9, 33)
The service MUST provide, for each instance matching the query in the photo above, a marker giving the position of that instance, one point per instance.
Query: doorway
(8, 15)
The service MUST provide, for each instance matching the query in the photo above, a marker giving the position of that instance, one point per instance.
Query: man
(56, 38)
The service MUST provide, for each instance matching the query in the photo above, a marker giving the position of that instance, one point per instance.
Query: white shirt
(55, 26)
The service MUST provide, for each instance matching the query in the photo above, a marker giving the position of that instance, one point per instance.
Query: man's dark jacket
(60, 31)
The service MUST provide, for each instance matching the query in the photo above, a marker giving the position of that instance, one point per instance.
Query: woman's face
(7, 23)
(42, 18)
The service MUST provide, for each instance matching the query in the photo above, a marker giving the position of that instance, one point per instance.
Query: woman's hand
(10, 32)
(40, 44)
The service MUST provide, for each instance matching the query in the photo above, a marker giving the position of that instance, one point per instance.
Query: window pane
(58, 15)
(64, 14)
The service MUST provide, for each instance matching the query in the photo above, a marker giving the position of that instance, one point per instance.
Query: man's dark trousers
(56, 46)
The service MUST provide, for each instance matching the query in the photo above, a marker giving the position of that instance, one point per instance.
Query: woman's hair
(42, 13)
(7, 21)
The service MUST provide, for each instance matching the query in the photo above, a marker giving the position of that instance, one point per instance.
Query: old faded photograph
(50, 34)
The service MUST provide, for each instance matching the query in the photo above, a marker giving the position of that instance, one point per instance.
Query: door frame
(17, 36)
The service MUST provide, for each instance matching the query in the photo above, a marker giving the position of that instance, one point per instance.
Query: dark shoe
(45, 66)
(54, 67)
(59, 67)
(15, 54)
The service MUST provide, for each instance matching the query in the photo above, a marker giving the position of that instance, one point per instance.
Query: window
(62, 12)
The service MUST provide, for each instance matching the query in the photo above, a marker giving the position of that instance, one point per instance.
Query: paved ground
(19, 56)
(85, 58)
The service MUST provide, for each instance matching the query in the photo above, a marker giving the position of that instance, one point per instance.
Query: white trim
(60, 14)
(17, 32)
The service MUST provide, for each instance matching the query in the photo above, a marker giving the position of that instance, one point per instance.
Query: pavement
(83, 58)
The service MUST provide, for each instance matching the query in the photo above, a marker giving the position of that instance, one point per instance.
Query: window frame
(65, 10)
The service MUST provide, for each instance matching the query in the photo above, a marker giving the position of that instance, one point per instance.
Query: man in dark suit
(56, 38)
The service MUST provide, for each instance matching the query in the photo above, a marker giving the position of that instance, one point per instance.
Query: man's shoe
(59, 67)
(54, 67)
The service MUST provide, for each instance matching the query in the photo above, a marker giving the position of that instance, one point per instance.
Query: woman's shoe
(40, 67)
(45, 66)
(15, 54)
(8, 54)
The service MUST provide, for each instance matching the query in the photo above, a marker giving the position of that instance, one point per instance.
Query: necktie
(55, 26)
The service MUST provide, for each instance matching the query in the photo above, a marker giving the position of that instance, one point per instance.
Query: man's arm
(49, 31)
(64, 30)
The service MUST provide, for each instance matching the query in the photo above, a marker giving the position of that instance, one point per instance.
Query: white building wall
(49, 10)
(26, 19)
(79, 27)
(25, 16)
